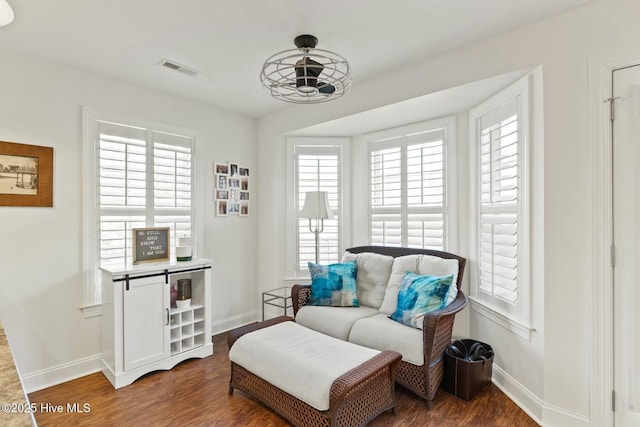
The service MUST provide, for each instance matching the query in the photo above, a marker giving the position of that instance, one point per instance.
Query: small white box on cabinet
(141, 332)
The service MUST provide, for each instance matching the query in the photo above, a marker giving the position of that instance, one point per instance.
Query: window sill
(91, 310)
(515, 326)
(290, 281)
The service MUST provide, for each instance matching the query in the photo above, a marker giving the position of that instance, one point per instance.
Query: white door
(146, 322)
(626, 236)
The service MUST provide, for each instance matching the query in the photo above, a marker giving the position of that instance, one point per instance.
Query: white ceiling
(437, 104)
(229, 40)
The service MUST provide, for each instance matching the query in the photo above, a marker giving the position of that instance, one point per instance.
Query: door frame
(600, 150)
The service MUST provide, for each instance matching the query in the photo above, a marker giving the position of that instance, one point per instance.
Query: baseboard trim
(523, 397)
(229, 323)
(91, 364)
(62, 373)
(534, 406)
(554, 416)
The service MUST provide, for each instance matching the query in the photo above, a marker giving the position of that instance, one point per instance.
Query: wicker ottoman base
(356, 397)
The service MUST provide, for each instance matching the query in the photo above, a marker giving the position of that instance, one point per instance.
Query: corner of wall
(523, 397)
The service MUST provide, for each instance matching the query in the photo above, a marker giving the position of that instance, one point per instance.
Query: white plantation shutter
(144, 180)
(498, 204)
(408, 188)
(122, 166)
(425, 231)
(386, 196)
(501, 165)
(426, 189)
(318, 169)
(121, 189)
(172, 184)
(115, 237)
(172, 171)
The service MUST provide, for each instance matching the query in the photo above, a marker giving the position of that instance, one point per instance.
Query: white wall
(556, 383)
(41, 248)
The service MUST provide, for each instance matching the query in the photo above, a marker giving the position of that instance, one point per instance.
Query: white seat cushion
(332, 321)
(382, 333)
(372, 278)
(424, 265)
(297, 360)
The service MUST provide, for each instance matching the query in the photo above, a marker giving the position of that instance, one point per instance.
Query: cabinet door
(146, 321)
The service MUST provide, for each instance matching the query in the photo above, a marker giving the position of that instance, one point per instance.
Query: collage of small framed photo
(231, 191)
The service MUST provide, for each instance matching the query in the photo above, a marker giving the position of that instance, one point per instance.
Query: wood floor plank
(194, 393)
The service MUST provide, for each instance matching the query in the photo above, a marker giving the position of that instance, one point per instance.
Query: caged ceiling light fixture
(306, 75)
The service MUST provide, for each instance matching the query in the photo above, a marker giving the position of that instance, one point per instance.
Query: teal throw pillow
(419, 295)
(334, 284)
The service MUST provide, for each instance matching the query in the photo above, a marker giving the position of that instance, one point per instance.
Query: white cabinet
(141, 332)
(146, 314)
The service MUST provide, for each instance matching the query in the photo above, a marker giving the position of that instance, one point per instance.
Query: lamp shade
(316, 206)
(6, 13)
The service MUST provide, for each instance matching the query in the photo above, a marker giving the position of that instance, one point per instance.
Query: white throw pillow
(372, 277)
(424, 265)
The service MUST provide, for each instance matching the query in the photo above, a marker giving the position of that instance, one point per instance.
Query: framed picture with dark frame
(151, 244)
(26, 175)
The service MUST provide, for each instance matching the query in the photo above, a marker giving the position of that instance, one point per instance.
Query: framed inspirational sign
(150, 244)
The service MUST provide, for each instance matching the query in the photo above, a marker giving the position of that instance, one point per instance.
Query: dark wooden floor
(194, 393)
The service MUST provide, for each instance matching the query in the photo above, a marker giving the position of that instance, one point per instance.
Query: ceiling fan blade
(307, 72)
(326, 88)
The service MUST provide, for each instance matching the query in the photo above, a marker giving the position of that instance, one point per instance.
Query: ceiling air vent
(178, 67)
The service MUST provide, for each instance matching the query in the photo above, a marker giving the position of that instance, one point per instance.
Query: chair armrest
(384, 364)
(438, 329)
(456, 305)
(300, 295)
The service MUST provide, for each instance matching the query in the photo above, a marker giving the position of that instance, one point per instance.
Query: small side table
(279, 297)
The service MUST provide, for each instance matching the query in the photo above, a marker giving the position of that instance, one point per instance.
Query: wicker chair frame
(355, 398)
(437, 329)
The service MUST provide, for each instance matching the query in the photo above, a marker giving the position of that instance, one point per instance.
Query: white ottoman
(310, 378)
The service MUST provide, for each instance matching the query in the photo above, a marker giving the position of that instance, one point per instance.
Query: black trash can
(468, 365)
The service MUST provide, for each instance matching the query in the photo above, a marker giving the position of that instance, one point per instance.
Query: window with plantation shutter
(144, 180)
(498, 207)
(316, 164)
(408, 185)
(140, 177)
(317, 170)
(500, 163)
